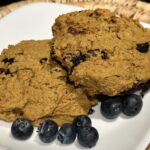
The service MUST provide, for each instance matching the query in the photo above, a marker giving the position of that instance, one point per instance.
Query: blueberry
(142, 47)
(82, 121)
(22, 129)
(87, 136)
(48, 131)
(77, 59)
(132, 105)
(67, 134)
(104, 55)
(111, 107)
(8, 60)
(7, 71)
(11, 60)
(74, 31)
(5, 60)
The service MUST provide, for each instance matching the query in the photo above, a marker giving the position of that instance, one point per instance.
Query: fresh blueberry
(48, 131)
(87, 136)
(111, 107)
(81, 121)
(132, 104)
(142, 47)
(67, 134)
(22, 129)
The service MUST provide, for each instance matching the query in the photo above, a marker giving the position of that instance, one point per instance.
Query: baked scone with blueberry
(104, 54)
(33, 86)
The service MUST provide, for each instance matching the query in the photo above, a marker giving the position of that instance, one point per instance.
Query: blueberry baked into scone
(103, 54)
(34, 87)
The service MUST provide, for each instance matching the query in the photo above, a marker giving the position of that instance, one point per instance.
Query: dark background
(5, 2)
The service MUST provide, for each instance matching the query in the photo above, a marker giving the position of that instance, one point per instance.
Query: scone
(32, 86)
(92, 21)
(103, 54)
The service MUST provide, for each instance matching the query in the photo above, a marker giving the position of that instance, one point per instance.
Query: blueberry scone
(33, 86)
(104, 54)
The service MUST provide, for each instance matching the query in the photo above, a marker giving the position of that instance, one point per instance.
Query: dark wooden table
(6, 2)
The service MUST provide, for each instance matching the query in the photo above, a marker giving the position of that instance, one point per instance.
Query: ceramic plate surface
(34, 21)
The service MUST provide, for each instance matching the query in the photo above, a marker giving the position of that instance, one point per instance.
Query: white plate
(34, 22)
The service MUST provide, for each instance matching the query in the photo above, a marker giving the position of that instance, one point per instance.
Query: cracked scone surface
(103, 54)
(34, 87)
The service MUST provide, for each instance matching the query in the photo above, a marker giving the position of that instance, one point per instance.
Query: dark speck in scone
(7, 71)
(104, 55)
(111, 57)
(43, 60)
(2, 70)
(8, 60)
(74, 31)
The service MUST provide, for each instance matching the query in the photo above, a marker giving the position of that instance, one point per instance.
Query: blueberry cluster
(48, 131)
(130, 105)
(77, 59)
(81, 127)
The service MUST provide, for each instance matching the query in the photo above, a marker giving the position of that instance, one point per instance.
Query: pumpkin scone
(34, 87)
(104, 54)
